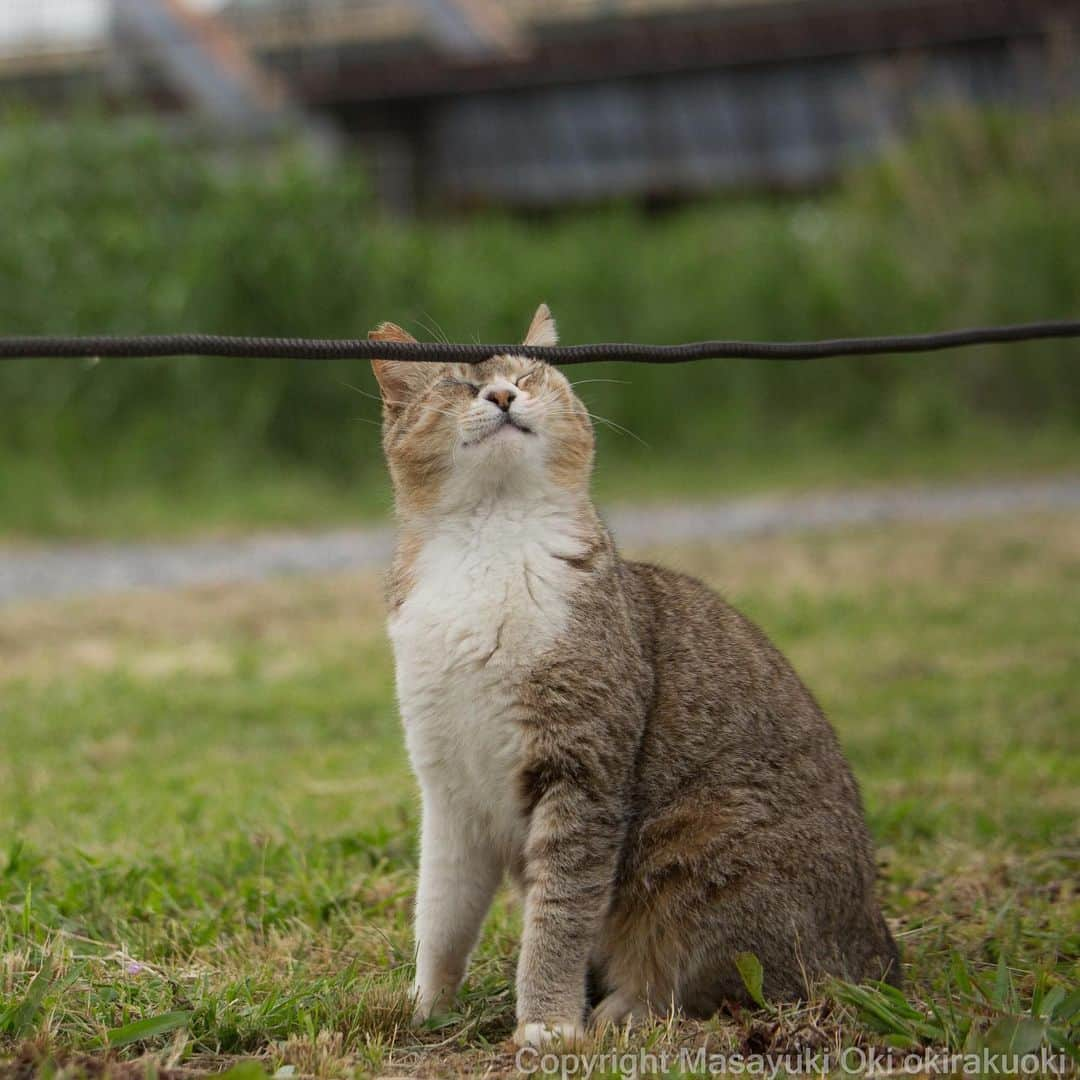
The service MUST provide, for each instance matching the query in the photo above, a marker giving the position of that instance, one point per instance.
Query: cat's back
(728, 708)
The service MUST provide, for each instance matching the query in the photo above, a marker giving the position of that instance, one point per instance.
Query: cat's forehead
(508, 366)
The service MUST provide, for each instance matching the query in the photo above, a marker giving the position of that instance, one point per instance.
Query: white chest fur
(491, 592)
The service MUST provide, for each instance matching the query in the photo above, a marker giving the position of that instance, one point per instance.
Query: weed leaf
(246, 1070)
(148, 1028)
(1064, 1012)
(1016, 1035)
(1003, 990)
(753, 976)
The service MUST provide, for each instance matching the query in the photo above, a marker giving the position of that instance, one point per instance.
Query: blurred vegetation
(108, 230)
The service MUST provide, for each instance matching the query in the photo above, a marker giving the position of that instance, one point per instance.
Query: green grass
(207, 830)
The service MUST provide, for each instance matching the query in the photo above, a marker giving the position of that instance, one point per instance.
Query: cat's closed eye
(528, 374)
(471, 387)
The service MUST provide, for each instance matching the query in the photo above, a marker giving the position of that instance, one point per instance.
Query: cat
(647, 768)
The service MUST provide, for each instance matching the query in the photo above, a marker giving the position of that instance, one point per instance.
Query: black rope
(435, 352)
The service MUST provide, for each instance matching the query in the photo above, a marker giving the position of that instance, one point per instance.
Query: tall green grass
(104, 230)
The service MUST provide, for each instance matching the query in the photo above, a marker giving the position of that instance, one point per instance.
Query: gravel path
(80, 569)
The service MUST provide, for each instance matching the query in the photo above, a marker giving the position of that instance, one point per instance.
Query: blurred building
(541, 102)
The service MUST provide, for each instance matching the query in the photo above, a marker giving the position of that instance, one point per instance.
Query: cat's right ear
(398, 379)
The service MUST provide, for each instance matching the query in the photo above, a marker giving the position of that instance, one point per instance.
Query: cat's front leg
(570, 858)
(458, 877)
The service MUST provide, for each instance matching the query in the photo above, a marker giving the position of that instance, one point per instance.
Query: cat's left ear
(398, 379)
(542, 329)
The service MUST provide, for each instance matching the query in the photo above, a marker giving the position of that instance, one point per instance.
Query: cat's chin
(504, 435)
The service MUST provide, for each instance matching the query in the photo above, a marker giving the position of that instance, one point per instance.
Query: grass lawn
(207, 822)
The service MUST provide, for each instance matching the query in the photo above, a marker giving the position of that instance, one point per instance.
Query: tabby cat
(647, 768)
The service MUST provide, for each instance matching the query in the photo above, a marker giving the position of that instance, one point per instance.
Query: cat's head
(456, 434)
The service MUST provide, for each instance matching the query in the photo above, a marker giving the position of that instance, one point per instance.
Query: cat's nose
(501, 396)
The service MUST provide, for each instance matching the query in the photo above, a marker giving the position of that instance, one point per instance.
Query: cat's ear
(398, 379)
(542, 328)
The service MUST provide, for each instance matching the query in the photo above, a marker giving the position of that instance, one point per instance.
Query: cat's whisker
(393, 404)
(620, 382)
(425, 326)
(564, 410)
(549, 398)
(433, 328)
(441, 412)
(362, 393)
(618, 427)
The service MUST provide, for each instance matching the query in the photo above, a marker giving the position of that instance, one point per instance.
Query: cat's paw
(427, 1003)
(618, 1008)
(548, 1033)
